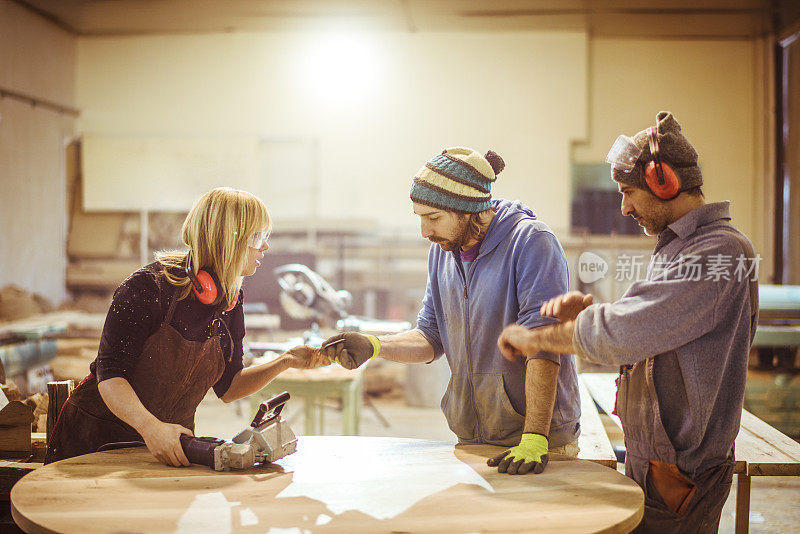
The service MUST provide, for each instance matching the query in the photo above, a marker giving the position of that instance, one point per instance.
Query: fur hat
(675, 150)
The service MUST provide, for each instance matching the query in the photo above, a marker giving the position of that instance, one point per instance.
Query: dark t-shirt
(137, 310)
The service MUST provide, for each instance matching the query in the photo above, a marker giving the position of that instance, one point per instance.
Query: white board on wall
(170, 174)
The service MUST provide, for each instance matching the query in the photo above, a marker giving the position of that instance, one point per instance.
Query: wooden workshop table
(331, 484)
(316, 385)
(760, 449)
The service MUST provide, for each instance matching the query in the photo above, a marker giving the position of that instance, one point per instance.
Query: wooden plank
(71, 367)
(77, 346)
(54, 324)
(603, 388)
(742, 504)
(777, 336)
(768, 452)
(593, 441)
(57, 395)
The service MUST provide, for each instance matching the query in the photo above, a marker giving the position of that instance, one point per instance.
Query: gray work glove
(351, 349)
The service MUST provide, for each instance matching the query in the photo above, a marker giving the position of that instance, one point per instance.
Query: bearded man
(491, 263)
(681, 337)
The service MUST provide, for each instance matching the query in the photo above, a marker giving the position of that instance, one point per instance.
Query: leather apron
(171, 377)
(673, 501)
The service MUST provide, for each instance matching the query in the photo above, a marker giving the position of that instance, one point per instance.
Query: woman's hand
(566, 307)
(305, 357)
(163, 441)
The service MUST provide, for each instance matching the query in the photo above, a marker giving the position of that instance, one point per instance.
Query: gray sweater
(695, 316)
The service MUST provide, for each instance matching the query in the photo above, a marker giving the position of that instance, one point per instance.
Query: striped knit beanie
(459, 179)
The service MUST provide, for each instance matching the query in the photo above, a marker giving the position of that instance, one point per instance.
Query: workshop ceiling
(678, 19)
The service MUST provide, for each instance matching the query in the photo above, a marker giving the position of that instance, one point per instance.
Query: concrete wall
(37, 59)
(528, 96)
(541, 100)
(377, 119)
(713, 90)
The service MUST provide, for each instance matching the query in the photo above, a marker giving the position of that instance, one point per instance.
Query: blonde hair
(216, 230)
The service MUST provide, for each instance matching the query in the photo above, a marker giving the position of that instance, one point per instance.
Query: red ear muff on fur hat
(204, 287)
(661, 179)
(665, 187)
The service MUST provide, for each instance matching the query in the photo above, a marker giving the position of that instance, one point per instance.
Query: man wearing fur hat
(491, 263)
(681, 336)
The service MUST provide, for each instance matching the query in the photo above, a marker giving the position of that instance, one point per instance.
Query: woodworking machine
(267, 439)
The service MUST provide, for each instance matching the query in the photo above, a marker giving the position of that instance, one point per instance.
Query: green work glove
(529, 455)
(350, 349)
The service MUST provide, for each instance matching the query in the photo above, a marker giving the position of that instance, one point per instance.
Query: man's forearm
(541, 384)
(407, 347)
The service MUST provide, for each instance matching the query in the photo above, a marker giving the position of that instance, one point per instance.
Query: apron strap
(168, 317)
(214, 329)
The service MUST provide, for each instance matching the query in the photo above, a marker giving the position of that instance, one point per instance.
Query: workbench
(778, 320)
(760, 449)
(331, 484)
(313, 386)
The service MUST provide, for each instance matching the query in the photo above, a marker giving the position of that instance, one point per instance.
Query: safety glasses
(258, 239)
(624, 154)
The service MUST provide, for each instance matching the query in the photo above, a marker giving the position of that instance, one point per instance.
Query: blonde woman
(174, 330)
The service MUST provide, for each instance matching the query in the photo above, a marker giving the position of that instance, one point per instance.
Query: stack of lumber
(73, 358)
(65, 340)
(55, 324)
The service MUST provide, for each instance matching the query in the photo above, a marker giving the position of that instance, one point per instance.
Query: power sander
(267, 439)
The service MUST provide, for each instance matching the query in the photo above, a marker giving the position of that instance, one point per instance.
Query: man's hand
(305, 357)
(352, 351)
(163, 441)
(514, 342)
(566, 307)
(529, 455)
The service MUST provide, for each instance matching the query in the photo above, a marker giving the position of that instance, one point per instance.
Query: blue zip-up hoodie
(520, 266)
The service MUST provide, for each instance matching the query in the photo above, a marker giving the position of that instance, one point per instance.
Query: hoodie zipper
(466, 343)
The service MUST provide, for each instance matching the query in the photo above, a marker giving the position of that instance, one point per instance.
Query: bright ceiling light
(341, 67)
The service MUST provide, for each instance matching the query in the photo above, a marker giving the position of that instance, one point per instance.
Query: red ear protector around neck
(204, 286)
(661, 179)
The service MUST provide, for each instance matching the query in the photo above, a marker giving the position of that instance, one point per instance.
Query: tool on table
(306, 295)
(267, 439)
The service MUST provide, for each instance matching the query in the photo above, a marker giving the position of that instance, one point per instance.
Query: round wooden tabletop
(331, 484)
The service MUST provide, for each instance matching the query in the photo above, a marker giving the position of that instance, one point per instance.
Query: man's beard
(461, 238)
(654, 223)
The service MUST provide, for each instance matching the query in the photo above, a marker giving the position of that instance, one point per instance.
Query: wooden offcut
(58, 393)
(15, 430)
